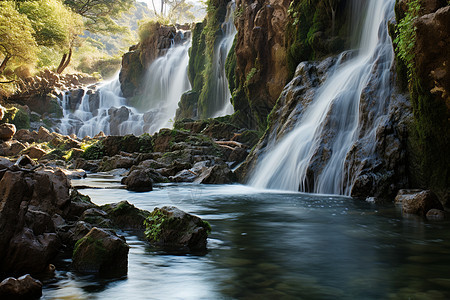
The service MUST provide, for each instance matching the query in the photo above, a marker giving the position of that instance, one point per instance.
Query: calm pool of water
(274, 245)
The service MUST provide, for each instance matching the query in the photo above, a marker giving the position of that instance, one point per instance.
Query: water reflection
(273, 245)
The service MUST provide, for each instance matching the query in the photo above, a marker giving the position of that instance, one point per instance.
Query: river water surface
(273, 245)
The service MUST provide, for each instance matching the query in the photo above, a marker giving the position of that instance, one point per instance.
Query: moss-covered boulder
(126, 216)
(173, 229)
(101, 252)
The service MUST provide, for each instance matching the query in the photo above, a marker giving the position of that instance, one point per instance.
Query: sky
(158, 3)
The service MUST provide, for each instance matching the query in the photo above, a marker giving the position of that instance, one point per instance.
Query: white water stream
(221, 104)
(285, 164)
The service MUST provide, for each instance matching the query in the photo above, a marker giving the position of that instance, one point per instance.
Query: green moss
(94, 151)
(153, 225)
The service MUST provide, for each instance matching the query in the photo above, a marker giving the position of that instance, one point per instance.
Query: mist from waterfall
(221, 105)
(334, 117)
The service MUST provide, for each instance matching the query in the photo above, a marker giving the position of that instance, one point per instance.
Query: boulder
(437, 215)
(25, 287)
(125, 215)
(218, 174)
(101, 252)
(44, 135)
(28, 241)
(35, 152)
(96, 217)
(420, 203)
(173, 229)
(7, 131)
(5, 163)
(139, 180)
(25, 136)
(115, 162)
(11, 148)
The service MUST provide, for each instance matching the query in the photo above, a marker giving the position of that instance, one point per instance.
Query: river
(272, 245)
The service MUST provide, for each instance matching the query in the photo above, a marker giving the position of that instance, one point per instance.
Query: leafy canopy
(16, 34)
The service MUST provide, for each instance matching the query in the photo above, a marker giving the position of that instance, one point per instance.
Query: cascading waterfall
(106, 111)
(166, 80)
(335, 110)
(221, 104)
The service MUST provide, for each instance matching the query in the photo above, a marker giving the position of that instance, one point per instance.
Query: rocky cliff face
(258, 71)
(429, 89)
(155, 43)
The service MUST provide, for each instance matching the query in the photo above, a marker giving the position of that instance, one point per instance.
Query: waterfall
(221, 105)
(165, 81)
(334, 118)
(106, 110)
(103, 111)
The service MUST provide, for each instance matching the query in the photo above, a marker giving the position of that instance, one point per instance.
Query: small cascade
(313, 156)
(166, 80)
(221, 104)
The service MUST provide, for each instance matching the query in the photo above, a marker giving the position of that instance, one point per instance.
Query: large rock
(35, 152)
(420, 203)
(173, 229)
(101, 252)
(7, 131)
(11, 148)
(125, 215)
(218, 174)
(25, 287)
(116, 162)
(139, 180)
(28, 241)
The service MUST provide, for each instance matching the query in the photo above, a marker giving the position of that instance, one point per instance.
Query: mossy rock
(101, 252)
(126, 216)
(173, 229)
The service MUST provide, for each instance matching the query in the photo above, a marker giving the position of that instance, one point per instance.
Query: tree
(331, 7)
(55, 26)
(16, 36)
(99, 15)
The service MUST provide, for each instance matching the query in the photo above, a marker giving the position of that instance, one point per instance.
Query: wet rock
(117, 116)
(44, 135)
(113, 145)
(172, 228)
(74, 174)
(405, 193)
(139, 180)
(25, 136)
(437, 215)
(420, 203)
(11, 148)
(218, 174)
(35, 152)
(5, 163)
(101, 252)
(96, 217)
(7, 131)
(115, 162)
(88, 165)
(125, 215)
(25, 287)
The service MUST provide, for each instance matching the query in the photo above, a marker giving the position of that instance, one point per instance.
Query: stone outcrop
(420, 203)
(172, 229)
(126, 216)
(260, 69)
(101, 252)
(24, 287)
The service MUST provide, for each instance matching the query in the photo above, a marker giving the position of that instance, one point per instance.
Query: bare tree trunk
(162, 8)
(65, 60)
(4, 62)
(333, 20)
(154, 7)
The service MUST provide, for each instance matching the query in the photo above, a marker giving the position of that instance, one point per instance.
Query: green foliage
(153, 225)
(99, 15)
(16, 36)
(94, 151)
(405, 39)
(147, 29)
